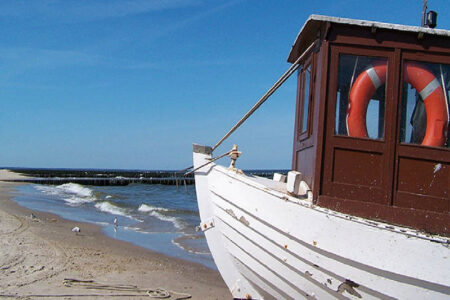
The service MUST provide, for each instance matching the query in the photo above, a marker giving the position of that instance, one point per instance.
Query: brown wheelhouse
(391, 173)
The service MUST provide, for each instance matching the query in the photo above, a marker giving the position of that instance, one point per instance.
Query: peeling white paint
(437, 168)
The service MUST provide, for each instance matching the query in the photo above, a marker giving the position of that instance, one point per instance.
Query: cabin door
(422, 173)
(379, 146)
(359, 155)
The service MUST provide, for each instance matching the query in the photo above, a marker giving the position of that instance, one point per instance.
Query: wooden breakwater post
(176, 180)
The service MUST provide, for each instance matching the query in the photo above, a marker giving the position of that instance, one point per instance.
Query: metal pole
(269, 93)
(211, 161)
(444, 88)
(424, 12)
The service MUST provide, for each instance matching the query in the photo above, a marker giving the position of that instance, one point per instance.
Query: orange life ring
(421, 79)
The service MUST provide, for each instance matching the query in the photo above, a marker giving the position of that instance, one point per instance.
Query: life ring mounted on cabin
(421, 79)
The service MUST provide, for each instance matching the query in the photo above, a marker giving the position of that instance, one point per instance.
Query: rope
(185, 169)
(205, 164)
(263, 99)
(269, 93)
(158, 293)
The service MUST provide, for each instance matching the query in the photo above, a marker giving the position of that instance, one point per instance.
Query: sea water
(161, 218)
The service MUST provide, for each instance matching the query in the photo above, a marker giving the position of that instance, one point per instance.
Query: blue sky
(132, 84)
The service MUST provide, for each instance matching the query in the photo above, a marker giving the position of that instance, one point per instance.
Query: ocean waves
(149, 208)
(120, 202)
(109, 207)
(157, 217)
(72, 193)
(161, 214)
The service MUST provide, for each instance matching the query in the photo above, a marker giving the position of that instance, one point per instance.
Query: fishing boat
(365, 211)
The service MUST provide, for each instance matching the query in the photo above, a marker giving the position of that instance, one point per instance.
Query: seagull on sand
(76, 229)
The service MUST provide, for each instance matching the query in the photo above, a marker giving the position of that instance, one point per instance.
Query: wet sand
(38, 251)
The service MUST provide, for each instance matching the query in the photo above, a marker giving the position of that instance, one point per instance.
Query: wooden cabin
(371, 129)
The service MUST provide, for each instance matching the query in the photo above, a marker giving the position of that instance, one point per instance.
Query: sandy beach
(38, 251)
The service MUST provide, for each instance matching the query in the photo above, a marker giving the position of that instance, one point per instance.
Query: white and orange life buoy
(421, 79)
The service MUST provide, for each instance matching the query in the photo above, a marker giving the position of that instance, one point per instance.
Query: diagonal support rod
(269, 93)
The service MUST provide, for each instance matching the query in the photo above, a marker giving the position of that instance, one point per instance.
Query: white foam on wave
(149, 208)
(155, 211)
(137, 229)
(76, 189)
(72, 193)
(48, 190)
(75, 201)
(102, 223)
(175, 221)
(190, 250)
(112, 209)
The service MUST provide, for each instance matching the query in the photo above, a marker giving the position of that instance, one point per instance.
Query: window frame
(304, 133)
(372, 55)
(433, 58)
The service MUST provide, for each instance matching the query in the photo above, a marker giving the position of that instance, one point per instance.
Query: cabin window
(360, 96)
(425, 94)
(305, 110)
(305, 99)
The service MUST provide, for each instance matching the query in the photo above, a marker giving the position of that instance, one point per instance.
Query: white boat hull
(269, 245)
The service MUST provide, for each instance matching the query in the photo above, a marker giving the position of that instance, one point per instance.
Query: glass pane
(307, 76)
(425, 94)
(360, 96)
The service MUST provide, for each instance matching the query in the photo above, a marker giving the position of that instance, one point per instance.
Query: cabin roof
(310, 29)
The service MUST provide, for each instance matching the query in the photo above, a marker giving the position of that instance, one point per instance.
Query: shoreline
(38, 253)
